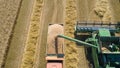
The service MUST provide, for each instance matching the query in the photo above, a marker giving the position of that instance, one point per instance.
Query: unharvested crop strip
(71, 52)
(30, 47)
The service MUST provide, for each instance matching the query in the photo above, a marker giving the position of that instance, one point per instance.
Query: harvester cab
(107, 40)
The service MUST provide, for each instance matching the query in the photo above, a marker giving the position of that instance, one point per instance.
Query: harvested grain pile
(71, 53)
(52, 42)
(30, 47)
(8, 13)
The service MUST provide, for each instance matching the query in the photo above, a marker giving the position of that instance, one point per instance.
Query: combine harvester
(104, 42)
(101, 41)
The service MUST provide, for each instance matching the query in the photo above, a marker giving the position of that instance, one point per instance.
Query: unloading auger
(102, 40)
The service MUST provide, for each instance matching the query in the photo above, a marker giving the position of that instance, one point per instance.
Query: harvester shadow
(56, 45)
(87, 49)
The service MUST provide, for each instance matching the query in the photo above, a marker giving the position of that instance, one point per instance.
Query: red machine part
(54, 65)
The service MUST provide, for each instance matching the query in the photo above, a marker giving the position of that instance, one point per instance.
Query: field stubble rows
(55, 11)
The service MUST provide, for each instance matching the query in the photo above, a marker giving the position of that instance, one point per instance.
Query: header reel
(94, 26)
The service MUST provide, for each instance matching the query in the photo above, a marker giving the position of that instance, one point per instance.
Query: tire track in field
(8, 15)
(19, 37)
